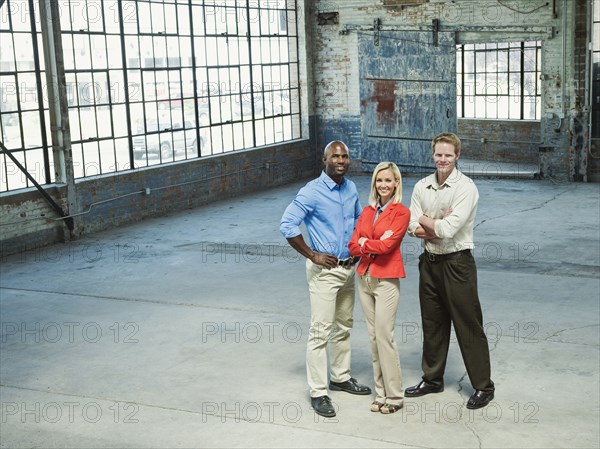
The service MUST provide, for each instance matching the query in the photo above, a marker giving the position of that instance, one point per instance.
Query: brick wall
(500, 140)
(336, 63)
(109, 201)
(28, 221)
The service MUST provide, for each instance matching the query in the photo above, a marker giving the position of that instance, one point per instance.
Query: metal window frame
(39, 74)
(463, 49)
(111, 156)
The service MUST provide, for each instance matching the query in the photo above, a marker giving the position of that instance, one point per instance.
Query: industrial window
(24, 120)
(150, 82)
(499, 80)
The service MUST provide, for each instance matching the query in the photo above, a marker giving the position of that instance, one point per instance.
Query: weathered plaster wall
(554, 23)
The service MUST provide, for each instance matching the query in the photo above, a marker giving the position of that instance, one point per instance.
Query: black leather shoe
(480, 399)
(350, 386)
(323, 406)
(422, 389)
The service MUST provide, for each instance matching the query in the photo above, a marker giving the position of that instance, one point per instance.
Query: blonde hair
(374, 195)
(448, 138)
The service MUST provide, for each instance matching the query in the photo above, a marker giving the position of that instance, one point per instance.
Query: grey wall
(109, 201)
(500, 140)
(557, 24)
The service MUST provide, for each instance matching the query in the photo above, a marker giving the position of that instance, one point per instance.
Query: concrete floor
(189, 331)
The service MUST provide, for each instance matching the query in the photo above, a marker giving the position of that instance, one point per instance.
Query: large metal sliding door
(408, 94)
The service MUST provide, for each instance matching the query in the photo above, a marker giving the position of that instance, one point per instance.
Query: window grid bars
(101, 142)
(483, 51)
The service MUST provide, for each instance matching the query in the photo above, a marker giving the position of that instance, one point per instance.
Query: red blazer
(387, 261)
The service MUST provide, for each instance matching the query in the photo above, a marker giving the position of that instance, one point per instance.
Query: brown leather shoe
(480, 399)
(422, 389)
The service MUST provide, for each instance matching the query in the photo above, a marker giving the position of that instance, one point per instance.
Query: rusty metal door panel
(408, 95)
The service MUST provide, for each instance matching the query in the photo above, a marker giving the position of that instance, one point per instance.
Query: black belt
(346, 263)
(440, 257)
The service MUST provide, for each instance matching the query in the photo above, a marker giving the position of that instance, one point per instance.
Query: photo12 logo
(251, 332)
(453, 412)
(518, 332)
(69, 332)
(252, 412)
(69, 412)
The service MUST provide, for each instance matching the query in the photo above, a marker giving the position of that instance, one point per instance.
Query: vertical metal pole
(52, 92)
(589, 82)
(40, 93)
(57, 100)
(251, 69)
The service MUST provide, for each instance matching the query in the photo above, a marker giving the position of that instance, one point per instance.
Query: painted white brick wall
(335, 58)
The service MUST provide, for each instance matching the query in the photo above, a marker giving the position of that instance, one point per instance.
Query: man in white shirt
(443, 208)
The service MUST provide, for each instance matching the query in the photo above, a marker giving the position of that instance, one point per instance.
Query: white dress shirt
(454, 232)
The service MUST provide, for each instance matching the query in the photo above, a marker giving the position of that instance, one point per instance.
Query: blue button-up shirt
(328, 210)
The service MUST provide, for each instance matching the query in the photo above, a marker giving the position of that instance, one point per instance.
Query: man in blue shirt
(329, 208)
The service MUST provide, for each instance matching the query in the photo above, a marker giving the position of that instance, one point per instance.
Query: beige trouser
(379, 299)
(332, 305)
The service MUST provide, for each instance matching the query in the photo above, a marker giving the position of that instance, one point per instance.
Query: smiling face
(336, 161)
(385, 184)
(445, 157)
(445, 148)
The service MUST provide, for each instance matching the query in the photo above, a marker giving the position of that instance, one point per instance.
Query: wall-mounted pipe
(47, 197)
(148, 190)
(485, 140)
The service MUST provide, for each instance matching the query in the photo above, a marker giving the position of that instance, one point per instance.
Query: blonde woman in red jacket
(376, 239)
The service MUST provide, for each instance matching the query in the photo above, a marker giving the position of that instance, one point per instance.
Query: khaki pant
(332, 305)
(379, 299)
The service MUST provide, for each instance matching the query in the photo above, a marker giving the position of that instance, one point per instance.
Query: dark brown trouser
(448, 294)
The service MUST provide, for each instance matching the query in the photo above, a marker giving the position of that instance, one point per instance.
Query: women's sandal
(386, 409)
(376, 406)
